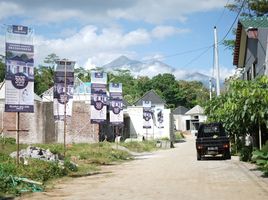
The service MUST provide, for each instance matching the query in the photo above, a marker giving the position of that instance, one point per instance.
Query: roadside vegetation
(260, 157)
(80, 160)
(243, 111)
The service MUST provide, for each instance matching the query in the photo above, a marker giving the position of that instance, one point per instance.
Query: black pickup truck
(212, 139)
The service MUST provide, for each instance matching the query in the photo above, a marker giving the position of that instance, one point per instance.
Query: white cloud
(9, 8)
(165, 31)
(95, 46)
(153, 11)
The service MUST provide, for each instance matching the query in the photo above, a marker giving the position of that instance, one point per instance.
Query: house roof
(245, 24)
(150, 96)
(254, 22)
(195, 110)
(180, 110)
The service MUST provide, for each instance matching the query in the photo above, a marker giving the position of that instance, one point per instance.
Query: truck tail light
(226, 146)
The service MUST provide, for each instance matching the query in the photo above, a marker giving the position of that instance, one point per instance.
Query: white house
(157, 130)
(189, 120)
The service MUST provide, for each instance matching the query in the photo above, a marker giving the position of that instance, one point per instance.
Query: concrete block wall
(43, 129)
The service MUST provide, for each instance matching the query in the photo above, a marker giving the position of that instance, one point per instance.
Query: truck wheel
(198, 156)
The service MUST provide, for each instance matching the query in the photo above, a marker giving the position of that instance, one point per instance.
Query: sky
(95, 32)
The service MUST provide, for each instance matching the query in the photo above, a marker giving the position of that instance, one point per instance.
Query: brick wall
(43, 129)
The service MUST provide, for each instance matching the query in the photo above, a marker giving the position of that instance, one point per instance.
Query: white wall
(180, 121)
(136, 124)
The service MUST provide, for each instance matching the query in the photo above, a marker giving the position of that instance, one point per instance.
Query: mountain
(153, 68)
(123, 62)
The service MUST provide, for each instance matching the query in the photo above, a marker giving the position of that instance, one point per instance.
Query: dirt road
(169, 174)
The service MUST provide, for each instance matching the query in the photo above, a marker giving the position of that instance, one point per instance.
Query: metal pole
(217, 61)
(260, 139)
(18, 138)
(65, 98)
(210, 89)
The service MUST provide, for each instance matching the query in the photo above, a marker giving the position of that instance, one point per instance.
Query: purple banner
(99, 98)
(61, 93)
(116, 104)
(19, 92)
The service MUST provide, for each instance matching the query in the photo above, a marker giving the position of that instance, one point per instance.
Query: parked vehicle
(212, 140)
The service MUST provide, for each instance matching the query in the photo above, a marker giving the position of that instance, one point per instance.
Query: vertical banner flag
(159, 117)
(98, 97)
(19, 89)
(116, 103)
(147, 114)
(59, 89)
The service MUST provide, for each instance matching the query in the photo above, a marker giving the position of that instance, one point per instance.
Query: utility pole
(216, 62)
(210, 89)
(65, 102)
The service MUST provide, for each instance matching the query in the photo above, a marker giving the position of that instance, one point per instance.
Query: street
(166, 174)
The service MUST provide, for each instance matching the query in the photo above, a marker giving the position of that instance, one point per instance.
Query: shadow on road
(212, 158)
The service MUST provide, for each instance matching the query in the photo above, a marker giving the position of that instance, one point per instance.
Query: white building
(189, 120)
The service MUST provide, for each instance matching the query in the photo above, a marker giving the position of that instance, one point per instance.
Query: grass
(179, 136)
(144, 146)
(88, 157)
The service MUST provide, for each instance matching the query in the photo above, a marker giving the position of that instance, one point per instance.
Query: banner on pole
(59, 89)
(19, 88)
(98, 97)
(159, 117)
(147, 114)
(116, 104)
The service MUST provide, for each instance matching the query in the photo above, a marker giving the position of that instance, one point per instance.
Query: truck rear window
(211, 130)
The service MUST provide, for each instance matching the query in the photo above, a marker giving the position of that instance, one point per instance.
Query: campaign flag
(99, 98)
(116, 103)
(19, 76)
(60, 95)
(147, 114)
(159, 117)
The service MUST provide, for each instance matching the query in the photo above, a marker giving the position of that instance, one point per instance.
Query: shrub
(260, 157)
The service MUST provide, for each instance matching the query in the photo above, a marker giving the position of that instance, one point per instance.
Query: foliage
(249, 7)
(242, 109)
(144, 146)
(7, 140)
(260, 157)
(178, 136)
(2, 69)
(87, 156)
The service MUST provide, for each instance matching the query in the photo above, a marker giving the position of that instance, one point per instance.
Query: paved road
(170, 174)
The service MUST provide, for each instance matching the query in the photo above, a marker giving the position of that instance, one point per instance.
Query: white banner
(19, 89)
(99, 98)
(59, 89)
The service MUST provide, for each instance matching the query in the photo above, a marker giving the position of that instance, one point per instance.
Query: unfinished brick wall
(43, 129)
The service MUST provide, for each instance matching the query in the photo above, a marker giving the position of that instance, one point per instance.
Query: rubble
(37, 153)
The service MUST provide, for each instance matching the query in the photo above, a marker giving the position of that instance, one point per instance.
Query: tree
(51, 59)
(243, 108)
(249, 7)
(44, 79)
(44, 75)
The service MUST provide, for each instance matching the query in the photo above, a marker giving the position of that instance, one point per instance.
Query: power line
(220, 17)
(198, 56)
(233, 22)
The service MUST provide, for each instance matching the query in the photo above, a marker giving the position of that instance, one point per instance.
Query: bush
(260, 157)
